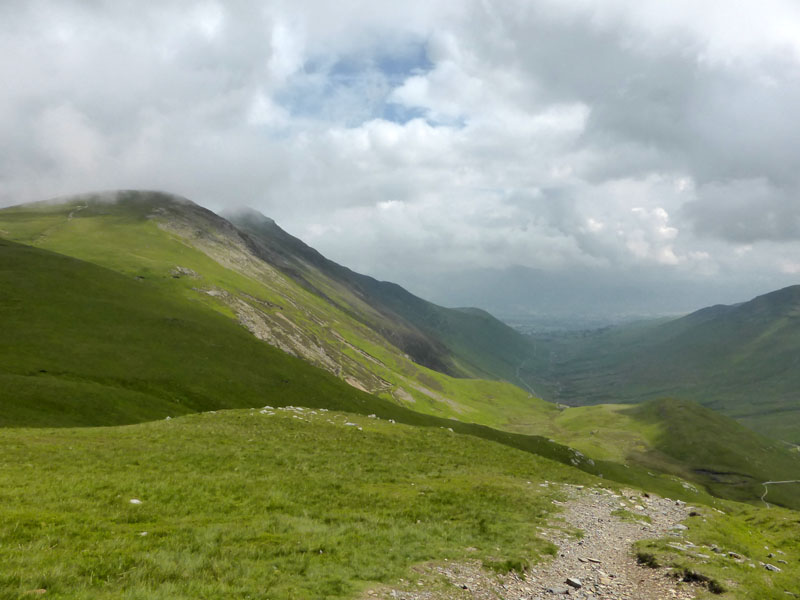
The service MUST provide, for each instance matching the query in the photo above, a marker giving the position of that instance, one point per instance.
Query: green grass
(83, 345)
(631, 517)
(752, 533)
(242, 504)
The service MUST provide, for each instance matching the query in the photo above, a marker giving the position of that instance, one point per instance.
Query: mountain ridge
(394, 302)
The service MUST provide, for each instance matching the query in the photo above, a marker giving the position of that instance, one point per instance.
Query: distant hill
(742, 360)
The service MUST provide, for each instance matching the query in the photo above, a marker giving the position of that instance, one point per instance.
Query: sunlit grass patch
(291, 504)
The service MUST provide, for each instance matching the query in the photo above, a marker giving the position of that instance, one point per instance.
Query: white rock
(574, 582)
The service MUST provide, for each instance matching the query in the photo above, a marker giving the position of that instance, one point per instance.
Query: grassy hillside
(685, 439)
(83, 345)
(281, 504)
(725, 457)
(456, 341)
(301, 504)
(740, 360)
(187, 251)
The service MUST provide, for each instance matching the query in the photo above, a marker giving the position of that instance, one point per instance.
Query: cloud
(415, 140)
(745, 211)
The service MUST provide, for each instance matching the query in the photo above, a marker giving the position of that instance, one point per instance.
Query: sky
(529, 157)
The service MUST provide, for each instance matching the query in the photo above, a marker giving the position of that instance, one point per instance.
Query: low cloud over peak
(415, 141)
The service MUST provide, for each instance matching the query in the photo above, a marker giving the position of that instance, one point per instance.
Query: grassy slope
(732, 460)
(83, 345)
(741, 360)
(242, 504)
(757, 535)
(298, 504)
(683, 438)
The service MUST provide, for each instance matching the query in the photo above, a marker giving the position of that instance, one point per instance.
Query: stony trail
(600, 564)
(602, 560)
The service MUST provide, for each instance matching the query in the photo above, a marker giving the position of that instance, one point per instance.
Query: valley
(740, 360)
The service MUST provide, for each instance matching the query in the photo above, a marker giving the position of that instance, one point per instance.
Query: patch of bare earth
(597, 563)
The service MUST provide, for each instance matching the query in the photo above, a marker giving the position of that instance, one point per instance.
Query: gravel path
(600, 564)
(602, 560)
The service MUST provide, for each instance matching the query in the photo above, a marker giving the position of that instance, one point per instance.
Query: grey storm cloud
(419, 140)
(746, 211)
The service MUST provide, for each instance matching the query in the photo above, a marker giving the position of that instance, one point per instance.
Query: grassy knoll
(712, 449)
(238, 504)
